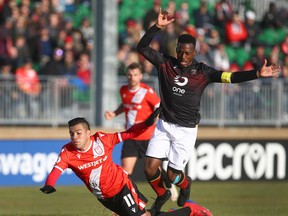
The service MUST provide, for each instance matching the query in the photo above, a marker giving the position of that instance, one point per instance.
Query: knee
(174, 175)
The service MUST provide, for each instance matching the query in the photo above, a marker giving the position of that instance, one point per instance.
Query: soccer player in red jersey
(90, 157)
(138, 102)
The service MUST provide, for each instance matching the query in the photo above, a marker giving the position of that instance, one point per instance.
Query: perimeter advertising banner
(239, 160)
(27, 162)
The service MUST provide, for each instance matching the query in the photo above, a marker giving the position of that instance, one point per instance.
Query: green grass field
(258, 198)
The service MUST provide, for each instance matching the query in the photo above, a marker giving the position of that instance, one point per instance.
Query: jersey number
(129, 200)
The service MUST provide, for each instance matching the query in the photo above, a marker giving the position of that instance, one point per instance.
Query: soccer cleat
(197, 210)
(184, 193)
(174, 193)
(160, 201)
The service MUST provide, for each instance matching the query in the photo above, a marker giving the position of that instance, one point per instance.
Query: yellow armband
(226, 77)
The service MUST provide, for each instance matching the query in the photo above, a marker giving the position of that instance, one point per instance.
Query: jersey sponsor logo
(180, 81)
(178, 91)
(93, 163)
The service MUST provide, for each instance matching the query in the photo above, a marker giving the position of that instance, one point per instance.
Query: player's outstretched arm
(47, 189)
(153, 117)
(141, 127)
(112, 114)
(269, 71)
(50, 181)
(109, 115)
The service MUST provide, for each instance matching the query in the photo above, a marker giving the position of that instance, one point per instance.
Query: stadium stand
(61, 26)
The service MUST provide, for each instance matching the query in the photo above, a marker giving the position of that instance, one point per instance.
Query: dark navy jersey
(180, 88)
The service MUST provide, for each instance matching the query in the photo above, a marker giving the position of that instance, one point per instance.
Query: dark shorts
(128, 202)
(134, 148)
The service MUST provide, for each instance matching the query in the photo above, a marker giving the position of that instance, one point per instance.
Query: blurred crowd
(54, 38)
(43, 38)
(45, 35)
(228, 38)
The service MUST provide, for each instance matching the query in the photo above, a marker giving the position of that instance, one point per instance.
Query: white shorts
(173, 142)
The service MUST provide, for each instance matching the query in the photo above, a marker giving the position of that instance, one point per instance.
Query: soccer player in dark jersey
(138, 102)
(182, 81)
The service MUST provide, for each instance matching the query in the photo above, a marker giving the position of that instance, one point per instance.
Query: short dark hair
(79, 120)
(133, 66)
(186, 38)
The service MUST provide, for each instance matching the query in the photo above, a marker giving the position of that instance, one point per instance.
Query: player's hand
(269, 71)
(153, 117)
(164, 18)
(47, 189)
(109, 115)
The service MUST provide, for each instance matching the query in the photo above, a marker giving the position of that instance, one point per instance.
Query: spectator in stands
(220, 58)
(55, 66)
(204, 55)
(86, 28)
(132, 56)
(132, 33)
(258, 58)
(70, 66)
(285, 60)
(284, 75)
(29, 85)
(20, 27)
(284, 46)
(149, 70)
(271, 18)
(223, 12)
(235, 31)
(62, 39)
(168, 39)
(7, 94)
(78, 43)
(253, 30)
(183, 15)
(213, 38)
(171, 8)
(54, 26)
(84, 69)
(69, 45)
(274, 56)
(45, 45)
(22, 50)
(203, 18)
(151, 16)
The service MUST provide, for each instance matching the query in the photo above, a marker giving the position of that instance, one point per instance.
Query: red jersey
(95, 167)
(138, 105)
(28, 80)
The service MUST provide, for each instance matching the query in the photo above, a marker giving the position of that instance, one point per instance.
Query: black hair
(187, 38)
(79, 120)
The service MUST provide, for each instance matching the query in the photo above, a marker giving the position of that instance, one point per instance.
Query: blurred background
(60, 59)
